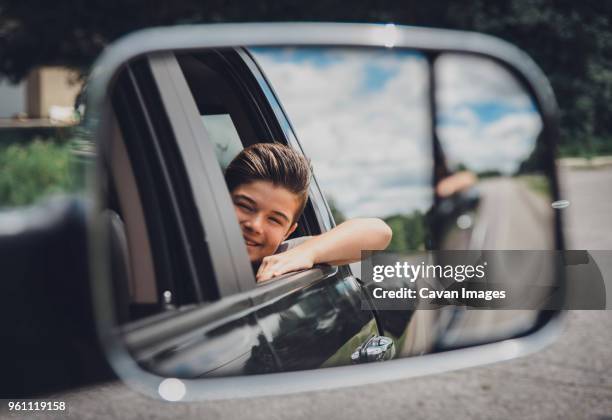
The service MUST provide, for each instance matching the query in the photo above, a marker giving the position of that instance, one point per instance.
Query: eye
(275, 221)
(244, 207)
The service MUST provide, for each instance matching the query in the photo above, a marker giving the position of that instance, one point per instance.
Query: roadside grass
(33, 170)
(536, 183)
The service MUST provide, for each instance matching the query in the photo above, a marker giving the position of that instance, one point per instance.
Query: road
(570, 379)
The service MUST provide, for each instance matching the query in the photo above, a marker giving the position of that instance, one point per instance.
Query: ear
(291, 230)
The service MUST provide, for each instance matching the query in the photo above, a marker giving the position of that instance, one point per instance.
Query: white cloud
(367, 136)
(501, 144)
(489, 121)
(473, 80)
(371, 148)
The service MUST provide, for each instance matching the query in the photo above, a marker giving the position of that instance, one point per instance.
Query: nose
(255, 223)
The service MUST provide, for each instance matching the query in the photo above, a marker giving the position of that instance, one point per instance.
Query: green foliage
(491, 173)
(570, 40)
(408, 232)
(33, 170)
(587, 148)
(339, 217)
(537, 183)
(408, 229)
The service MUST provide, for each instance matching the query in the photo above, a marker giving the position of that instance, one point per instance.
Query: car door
(208, 316)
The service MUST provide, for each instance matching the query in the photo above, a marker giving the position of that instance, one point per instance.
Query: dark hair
(272, 162)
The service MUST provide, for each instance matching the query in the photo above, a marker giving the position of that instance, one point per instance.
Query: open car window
(235, 111)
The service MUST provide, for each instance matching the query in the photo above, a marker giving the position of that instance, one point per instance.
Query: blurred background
(46, 49)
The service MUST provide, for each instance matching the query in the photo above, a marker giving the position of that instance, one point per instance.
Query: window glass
(222, 132)
(224, 103)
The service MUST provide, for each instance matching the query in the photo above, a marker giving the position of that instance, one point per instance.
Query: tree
(408, 232)
(337, 214)
(571, 41)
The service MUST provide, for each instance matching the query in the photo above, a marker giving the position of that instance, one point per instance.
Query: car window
(223, 102)
(223, 134)
(234, 110)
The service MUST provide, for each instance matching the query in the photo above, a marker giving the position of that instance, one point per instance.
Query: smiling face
(265, 213)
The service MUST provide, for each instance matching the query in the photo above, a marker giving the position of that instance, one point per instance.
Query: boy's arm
(341, 245)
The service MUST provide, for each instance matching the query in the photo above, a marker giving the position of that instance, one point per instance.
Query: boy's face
(265, 213)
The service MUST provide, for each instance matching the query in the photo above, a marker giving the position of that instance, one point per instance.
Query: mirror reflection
(495, 188)
(488, 129)
(241, 185)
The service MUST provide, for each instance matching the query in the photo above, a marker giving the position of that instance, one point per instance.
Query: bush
(408, 232)
(30, 171)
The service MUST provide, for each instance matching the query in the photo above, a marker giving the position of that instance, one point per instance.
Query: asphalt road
(524, 212)
(570, 379)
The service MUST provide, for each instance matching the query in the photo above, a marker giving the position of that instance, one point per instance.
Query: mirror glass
(442, 151)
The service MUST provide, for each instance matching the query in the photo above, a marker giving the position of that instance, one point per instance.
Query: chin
(255, 257)
(257, 254)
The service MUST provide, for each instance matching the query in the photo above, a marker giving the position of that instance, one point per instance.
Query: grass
(33, 170)
(536, 183)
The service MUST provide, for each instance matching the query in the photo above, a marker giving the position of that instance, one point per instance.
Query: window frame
(221, 232)
(152, 168)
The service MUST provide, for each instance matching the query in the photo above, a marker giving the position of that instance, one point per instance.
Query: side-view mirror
(447, 137)
(433, 132)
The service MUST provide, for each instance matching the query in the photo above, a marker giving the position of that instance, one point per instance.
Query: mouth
(251, 242)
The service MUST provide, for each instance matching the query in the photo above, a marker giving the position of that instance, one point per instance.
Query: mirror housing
(429, 42)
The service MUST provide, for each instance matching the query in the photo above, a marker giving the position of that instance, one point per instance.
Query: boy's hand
(276, 265)
(341, 245)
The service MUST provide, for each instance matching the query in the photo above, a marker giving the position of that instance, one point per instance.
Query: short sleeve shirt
(291, 243)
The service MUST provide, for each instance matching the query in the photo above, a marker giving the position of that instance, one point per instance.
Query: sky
(362, 116)
(481, 105)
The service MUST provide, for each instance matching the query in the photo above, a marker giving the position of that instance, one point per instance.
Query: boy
(269, 185)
